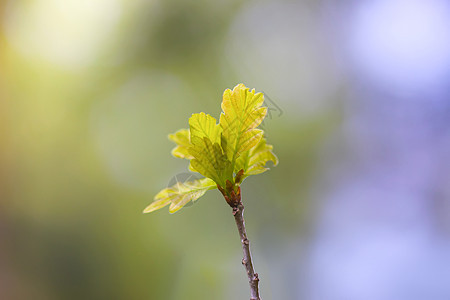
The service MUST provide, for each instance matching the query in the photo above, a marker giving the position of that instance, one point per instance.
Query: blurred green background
(89, 91)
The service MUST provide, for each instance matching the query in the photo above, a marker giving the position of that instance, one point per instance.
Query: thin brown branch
(232, 194)
(238, 213)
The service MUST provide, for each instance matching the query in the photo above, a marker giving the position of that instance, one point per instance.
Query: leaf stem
(238, 213)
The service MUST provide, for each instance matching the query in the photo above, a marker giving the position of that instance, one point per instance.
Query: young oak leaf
(253, 161)
(203, 125)
(208, 157)
(210, 161)
(180, 194)
(183, 141)
(242, 113)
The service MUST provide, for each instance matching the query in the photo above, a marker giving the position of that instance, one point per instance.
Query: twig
(238, 213)
(233, 198)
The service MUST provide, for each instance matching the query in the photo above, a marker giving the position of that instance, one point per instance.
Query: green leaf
(203, 125)
(242, 113)
(183, 141)
(254, 160)
(180, 194)
(210, 161)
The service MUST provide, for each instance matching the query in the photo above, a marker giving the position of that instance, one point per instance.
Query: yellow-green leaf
(183, 141)
(242, 113)
(203, 125)
(210, 161)
(180, 194)
(254, 160)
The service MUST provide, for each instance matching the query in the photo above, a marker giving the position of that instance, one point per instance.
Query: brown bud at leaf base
(239, 175)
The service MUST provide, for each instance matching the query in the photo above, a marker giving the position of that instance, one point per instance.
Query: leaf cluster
(225, 152)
